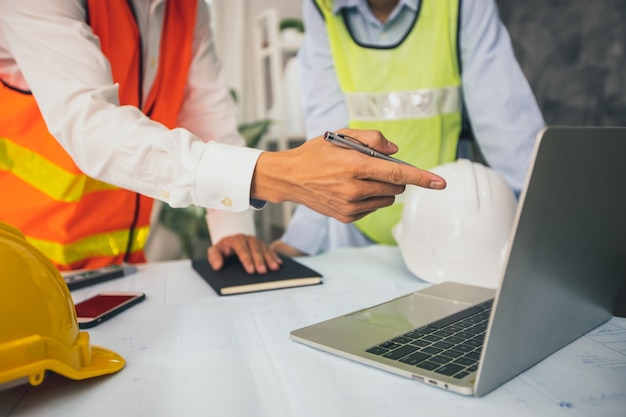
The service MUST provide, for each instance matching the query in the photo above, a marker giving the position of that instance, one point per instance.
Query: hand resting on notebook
(254, 255)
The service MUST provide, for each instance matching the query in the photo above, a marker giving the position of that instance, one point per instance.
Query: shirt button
(227, 202)
(165, 194)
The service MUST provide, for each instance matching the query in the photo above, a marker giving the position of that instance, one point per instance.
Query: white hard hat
(460, 233)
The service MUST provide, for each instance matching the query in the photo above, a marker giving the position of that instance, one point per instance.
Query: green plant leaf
(254, 131)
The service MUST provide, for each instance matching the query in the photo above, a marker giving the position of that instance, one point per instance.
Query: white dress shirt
(47, 48)
(500, 104)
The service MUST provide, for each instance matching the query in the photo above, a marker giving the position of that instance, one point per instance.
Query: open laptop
(566, 261)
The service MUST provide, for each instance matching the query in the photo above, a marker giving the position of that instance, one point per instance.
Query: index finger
(399, 174)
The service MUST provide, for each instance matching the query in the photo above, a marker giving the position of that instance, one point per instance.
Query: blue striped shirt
(498, 101)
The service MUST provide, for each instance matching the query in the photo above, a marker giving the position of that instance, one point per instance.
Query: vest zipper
(133, 224)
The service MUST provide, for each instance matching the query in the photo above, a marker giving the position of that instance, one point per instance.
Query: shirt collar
(342, 4)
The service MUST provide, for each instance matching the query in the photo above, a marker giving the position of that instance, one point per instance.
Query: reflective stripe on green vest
(410, 92)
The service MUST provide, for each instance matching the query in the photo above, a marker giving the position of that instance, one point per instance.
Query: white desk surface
(190, 352)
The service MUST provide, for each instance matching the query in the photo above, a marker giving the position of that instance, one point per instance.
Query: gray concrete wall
(573, 53)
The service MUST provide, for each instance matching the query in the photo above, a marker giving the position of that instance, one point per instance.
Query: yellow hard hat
(38, 326)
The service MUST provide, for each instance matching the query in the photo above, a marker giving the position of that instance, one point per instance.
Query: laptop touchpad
(408, 312)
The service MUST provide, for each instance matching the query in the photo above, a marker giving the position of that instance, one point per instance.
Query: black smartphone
(80, 279)
(105, 305)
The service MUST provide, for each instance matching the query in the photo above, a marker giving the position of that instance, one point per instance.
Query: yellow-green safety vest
(409, 91)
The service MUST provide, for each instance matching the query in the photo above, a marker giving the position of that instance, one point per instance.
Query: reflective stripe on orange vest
(77, 221)
(36, 170)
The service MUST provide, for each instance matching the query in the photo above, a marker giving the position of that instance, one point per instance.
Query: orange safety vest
(77, 221)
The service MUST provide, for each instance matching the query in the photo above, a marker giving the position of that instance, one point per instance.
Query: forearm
(503, 111)
(323, 101)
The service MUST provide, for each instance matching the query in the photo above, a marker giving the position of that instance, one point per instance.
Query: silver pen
(348, 142)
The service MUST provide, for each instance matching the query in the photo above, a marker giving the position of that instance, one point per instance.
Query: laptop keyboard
(450, 346)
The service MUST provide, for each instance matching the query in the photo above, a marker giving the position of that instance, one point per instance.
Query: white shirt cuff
(224, 177)
(227, 223)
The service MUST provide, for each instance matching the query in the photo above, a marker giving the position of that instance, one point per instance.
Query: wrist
(269, 178)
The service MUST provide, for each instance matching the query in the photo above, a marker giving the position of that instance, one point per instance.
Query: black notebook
(233, 279)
